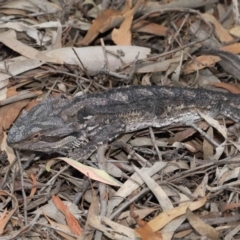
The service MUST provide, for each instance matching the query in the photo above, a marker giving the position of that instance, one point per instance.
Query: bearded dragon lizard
(78, 126)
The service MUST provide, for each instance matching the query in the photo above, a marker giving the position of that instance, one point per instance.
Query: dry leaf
(126, 220)
(131, 184)
(119, 230)
(9, 113)
(62, 227)
(10, 41)
(165, 217)
(158, 192)
(220, 31)
(5, 218)
(34, 189)
(9, 151)
(90, 172)
(146, 232)
(202, 228)
(229, 87)
(206, 61)
(222, 129)
(123, 36)
(71, 220)
(208, 149)
(105, 21)
(92, 211)
(229, 206)
(149, 27)
(235, 31)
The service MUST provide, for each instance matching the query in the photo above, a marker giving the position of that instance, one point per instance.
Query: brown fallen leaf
(186, 133)
(235, 31)
(60, 226)
(221, 32)
(11, 91)
(13, 11)
(31, 104)
(90, 172)
(9, 39)
(182, 234)
(71, 220)
(221, 129)
(144, 230)
(193, 146)
(123, 35)
(9, 151)
(126, 220)
(92, 211)
(105, 21)
(5, 217)
(34, 189)
(9, 113)
(165, 217)
(108, 19)
(229, 206)
(32, 6)
(201, 62)
(206, 61)
(150, 27)
(208, 149)
(201, 227)
(232, 48)
(231, 88)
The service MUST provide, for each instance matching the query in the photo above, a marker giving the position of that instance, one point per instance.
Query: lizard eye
(36, 136)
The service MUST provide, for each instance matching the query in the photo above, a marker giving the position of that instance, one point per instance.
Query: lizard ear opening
(36, 136)
(84, 114)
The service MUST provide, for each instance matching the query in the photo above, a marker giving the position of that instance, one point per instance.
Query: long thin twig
(102, 187)
(23, 191)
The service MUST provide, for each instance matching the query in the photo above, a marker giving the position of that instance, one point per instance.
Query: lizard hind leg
(105, 135)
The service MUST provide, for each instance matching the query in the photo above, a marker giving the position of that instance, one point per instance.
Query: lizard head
(42, 130)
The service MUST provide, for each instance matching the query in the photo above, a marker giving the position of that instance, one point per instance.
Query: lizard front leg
(106, 134)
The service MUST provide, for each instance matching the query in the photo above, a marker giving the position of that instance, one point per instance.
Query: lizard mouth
(64, 145)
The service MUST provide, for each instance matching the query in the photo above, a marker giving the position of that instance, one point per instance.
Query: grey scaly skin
(78, 126)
